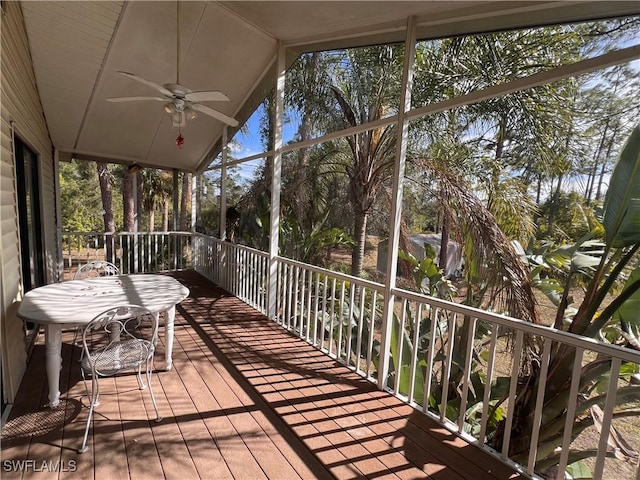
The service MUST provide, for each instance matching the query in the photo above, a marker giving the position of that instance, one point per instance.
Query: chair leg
(141, 384)
(96, 401)
(93, 403)
(153, 397)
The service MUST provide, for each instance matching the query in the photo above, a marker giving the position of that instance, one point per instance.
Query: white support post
(222, 252)
(194, 197)
(175, 200)
(134, 180)
(223, 187)
(276, 165)
(135, 221)
(56, 179)
(396, 205)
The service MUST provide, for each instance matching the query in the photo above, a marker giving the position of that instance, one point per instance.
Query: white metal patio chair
(121, 338)
(91, 269)
(96, 269)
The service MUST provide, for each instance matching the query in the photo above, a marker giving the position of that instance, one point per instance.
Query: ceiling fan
(179, 101)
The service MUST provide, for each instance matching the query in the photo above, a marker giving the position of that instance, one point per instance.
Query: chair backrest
(120, 338)
(96, 269)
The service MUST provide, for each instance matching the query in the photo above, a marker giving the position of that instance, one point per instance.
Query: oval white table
(76, 302)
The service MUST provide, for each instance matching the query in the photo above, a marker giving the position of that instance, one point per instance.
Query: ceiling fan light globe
(190, 113)
(170, 108)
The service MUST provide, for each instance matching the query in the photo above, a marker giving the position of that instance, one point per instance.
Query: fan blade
(208, 96)
(149, 83)
(135, 99)
(215, 114)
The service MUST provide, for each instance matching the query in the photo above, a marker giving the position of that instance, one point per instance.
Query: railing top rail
(572, 339)
(176, 232)
(342, 276)
(235, 245)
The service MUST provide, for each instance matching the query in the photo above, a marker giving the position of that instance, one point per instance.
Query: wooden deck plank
(369, 462)
(279, 463)
(188, 436)
(271, 459)
(138, 417)
(245, 399)
(314, 413)
(229, 431)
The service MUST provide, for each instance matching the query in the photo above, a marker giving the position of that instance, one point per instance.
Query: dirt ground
(627, 427)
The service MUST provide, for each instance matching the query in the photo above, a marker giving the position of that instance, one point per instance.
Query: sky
(250, 143)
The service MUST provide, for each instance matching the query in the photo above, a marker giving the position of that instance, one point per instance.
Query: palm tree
(365, 89)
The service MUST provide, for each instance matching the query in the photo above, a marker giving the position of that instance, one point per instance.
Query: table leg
(53, 351)
(170, 316)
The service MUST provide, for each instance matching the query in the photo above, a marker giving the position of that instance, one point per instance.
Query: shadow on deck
(244, 400)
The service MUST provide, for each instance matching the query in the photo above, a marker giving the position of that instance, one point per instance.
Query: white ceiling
(77, 48)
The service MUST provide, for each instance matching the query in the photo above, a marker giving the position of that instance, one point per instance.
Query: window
(29, 216)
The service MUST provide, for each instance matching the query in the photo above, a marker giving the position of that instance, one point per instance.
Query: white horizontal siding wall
(21, 112)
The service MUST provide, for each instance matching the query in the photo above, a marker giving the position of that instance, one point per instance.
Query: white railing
(240, 270)
(457, 364)
(337, 313)
(130, 252)
(444, 340)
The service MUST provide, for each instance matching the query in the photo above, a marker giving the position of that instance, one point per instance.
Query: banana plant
(606, 264)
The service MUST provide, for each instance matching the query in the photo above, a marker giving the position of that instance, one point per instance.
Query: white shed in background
(418, 240)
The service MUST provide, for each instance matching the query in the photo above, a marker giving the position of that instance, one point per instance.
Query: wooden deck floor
(244, 400)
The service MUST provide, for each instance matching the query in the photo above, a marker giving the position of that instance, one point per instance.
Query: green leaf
(579, 470)
(622, 203)
(629, 311)
(581, 262)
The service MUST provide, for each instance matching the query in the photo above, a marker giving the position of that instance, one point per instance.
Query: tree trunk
(128, 204)
(107, 206)
(554, 203)
(360, 235)
(594, 172)
(151, 215)
(603, 170)
(165, 214)
(444, 243)
(185, 202)
(140, 206)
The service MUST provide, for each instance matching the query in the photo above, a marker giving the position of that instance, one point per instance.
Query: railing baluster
(610, 402)
(324, 312)
(332, 316)
(537, 416)
(489, 380)
(506, 439)
(372, 319)
(430, 358)
(363, 294)
(300, 278)
(309, 291)
(447, 370)
(414, 351)
(315, 311)
(352, 299)
(290, 295)
(341, 320)
(467, 371)
(397, 362)
(279, 293)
